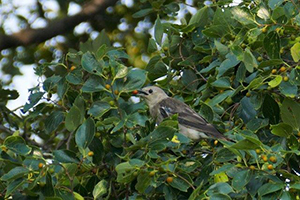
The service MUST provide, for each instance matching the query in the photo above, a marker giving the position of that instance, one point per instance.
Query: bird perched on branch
(191, 124)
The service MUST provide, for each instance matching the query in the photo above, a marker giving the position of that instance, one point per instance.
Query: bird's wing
(187, 117)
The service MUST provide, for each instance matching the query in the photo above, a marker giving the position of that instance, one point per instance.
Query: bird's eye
(150, 91)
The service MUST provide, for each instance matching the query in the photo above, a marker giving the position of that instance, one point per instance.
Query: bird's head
(152, 95)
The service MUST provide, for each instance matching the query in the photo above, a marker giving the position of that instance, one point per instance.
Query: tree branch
(57, 27)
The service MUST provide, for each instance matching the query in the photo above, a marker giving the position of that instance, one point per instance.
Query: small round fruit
(111, 103)
(282, 69)
(257, 151)
(135, 173)
(223, 40)
(72, 68)
(91, 153)
(273, 159)
(252, 167)
(216, 142)
(184, 152)
(116, 92)
(135, 92)
(259, 59)
(51, 171)
(221, 91)
(298, 133)
(107, 86)
(285, 78)
(293, 37)
(248, 94)
(264, 157)
(274, 71)
(264, 29)
(270, 167)
(97, 134)
(41, 165)
(169, 179)
(152, 173)
(4, 148)
(243, 45)
(281, 51)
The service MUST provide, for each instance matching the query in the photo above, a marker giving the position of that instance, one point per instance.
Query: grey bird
(191, 124)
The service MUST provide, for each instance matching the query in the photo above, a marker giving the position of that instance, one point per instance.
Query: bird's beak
(142, 93)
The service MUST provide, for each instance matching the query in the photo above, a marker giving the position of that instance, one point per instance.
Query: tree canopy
(82, 134)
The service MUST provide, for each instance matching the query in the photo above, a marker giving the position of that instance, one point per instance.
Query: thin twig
(190, 184)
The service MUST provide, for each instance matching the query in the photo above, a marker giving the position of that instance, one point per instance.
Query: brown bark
(57, 27)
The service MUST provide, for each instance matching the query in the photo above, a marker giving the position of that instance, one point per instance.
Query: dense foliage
(235, 65)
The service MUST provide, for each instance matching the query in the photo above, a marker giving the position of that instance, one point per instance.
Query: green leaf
(219, 196)
(270, 110)
(227, 64)
(156, 68)
(223, 50)
(223, 82)
(51, 82)
(85, 133)
(100, 189)
(74, 118)
(207, 112)
(274, 3)
(223, 188)
(65, 156)
(256, 124)
(75, 77)
(263, 13)
(249, 61)
(220, 97)
(15, 173)
(200, 18)
(93, 84)
(269, 188)
(135, 80)
(122, 71)
(181, 184)
(99, 108)
(142, 13)
(189, 79)
(224, 168)
(195, 194)
(102, 39)
(97, 147)
(158, 31)
(290, 113)
(62, 87)
(241, 179)
(246, 110)
(151, 46)
(34, 98)
(17, 144)
(101, 51)
(288, 89)
(275, 82)
(13, 186)
(295, 51)
(143, 182)
(125, 172)
(90, 64)
(281, 129)
(245, 145)
(53, 121)
(272, 45)
(242, 16)
(270, 63)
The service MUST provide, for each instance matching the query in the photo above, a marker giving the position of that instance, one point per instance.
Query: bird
(190, 123)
